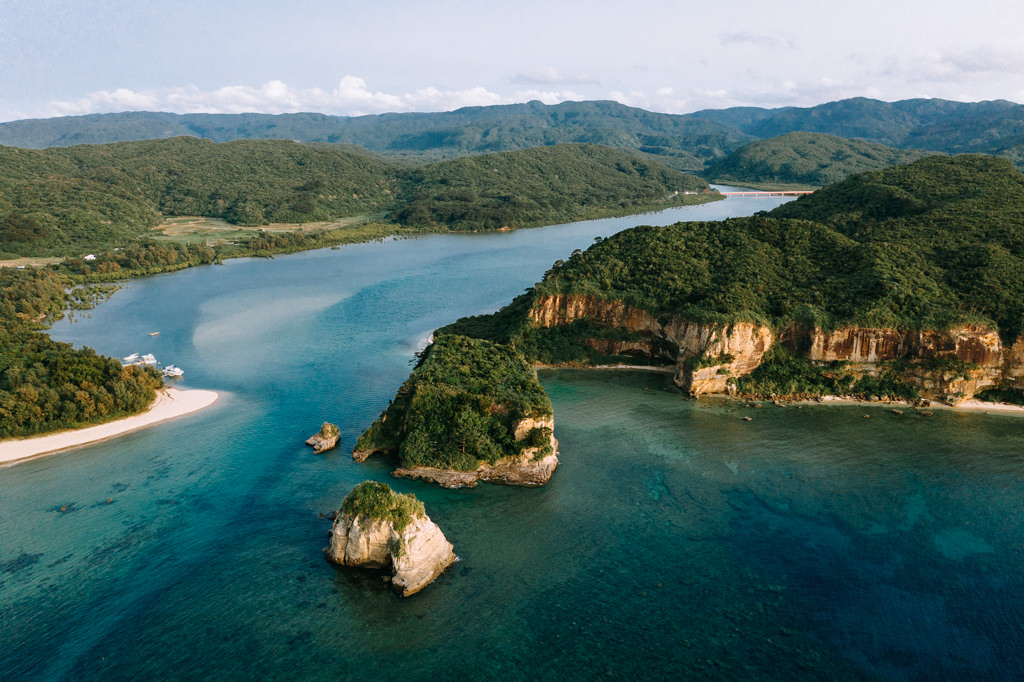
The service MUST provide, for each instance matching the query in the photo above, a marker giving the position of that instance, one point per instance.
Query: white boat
(172, 371)
(136, 359)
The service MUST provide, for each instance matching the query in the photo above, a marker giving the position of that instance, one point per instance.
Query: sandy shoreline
(662, 369)
(972, 405)
(169, 404)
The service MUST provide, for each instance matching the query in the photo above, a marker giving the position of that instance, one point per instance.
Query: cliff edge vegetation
(378, 502)
(470, 406)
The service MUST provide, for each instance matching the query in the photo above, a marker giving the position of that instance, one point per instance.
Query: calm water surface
(675, 540)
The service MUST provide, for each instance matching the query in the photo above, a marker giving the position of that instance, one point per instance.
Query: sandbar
(169, 404)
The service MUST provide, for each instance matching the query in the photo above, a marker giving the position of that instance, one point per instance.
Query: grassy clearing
(213, 231)
(30, 262)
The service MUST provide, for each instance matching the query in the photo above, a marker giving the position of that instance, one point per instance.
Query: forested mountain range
(682, 141)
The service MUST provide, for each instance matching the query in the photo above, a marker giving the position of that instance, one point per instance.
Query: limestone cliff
(409, 542)
(706, 356)
(948, 365)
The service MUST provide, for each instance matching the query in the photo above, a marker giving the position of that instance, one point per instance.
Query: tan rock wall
(417, 555)
(747, 343)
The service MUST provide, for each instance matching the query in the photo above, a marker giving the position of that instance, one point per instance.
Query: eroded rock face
(706, 355)
(987, 362)
(710, 355)
(417, 554)
(696, 349)
(325, 439)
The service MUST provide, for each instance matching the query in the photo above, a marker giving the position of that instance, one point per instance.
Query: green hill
(894, 124)
(70, 200)
(461, 407)
(804, 159)
(527, 188)
(927, 245)
(684, 142)
(67, 200)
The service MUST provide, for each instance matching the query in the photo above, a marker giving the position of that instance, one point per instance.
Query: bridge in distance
(780, 193)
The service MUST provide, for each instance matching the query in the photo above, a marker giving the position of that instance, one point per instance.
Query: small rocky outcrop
(325, 439)
(379, 528)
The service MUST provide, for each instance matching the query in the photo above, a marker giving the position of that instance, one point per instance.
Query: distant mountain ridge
(990, 127)
(683, 141)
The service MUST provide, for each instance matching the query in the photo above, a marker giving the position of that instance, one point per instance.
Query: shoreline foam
(170, 403)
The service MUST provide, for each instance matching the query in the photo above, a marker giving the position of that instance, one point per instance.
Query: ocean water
(675, 541)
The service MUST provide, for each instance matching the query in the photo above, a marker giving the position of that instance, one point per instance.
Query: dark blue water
(675, 540)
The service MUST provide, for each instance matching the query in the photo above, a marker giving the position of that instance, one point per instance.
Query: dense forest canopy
(70, 200)
(46, 385)
(805, 159)
(524, 189)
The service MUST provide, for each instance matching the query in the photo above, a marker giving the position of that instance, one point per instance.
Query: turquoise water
(674, 541)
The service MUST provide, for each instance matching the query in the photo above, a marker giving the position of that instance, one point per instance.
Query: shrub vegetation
(378, 501)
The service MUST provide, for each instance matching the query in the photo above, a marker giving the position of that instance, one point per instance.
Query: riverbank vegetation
(97, 205)
(46, 385)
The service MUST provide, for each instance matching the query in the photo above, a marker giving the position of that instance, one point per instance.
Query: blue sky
(341, 57)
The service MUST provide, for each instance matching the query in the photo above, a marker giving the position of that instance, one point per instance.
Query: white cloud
(350, 97)
(762, 40)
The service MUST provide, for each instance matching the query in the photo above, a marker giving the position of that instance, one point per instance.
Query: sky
(70, 57)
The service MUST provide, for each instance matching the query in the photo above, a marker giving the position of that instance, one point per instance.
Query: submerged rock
(325, 439)
(378, 528)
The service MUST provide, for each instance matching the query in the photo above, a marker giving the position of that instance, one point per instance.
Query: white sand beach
(169, 404)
